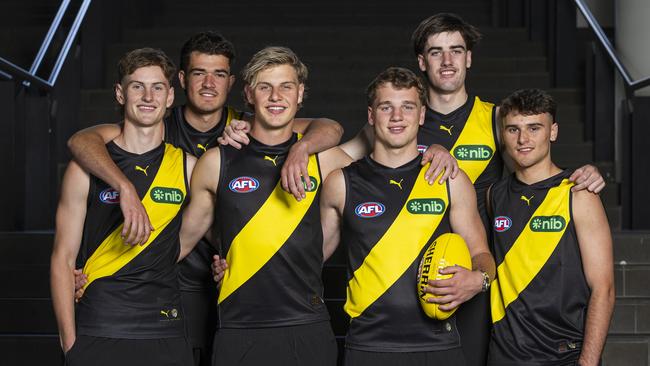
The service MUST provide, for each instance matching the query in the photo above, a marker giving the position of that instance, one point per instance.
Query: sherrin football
(447, 250)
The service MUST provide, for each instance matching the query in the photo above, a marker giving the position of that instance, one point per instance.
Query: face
(145, 95)
(207, 82)
(527, 139)
(396, 115)
(445, 60)
(275, 96)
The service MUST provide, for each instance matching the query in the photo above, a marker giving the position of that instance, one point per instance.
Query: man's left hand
(452, 292)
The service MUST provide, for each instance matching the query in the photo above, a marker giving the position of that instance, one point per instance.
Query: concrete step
(631, 317)
(27, 315)
(632, 248)
(25, 248)
(18, 282)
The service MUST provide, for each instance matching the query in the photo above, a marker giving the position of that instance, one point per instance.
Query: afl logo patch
(422, 149)
(244, 185)
(369, 210)
(110, 196)
(502, 223)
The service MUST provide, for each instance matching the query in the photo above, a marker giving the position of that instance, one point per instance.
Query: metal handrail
(29, 76)
(630, 85)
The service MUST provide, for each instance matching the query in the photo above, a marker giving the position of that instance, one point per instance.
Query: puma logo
(172, 313)
(165, 313)
(143, 170)
(399, 184)
(445, 128)
(527, 200)
(266, 157)
(204, 148)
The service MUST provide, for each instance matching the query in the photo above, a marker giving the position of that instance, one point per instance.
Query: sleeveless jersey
(194, 271)
(273, 243)
(469, 133)
(389, 217)
(540, 295)
(132, 291)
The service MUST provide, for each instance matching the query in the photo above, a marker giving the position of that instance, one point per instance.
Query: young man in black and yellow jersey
(271, 309)
(375, 207)
(205, 76)
(553, 296)
(131, 312)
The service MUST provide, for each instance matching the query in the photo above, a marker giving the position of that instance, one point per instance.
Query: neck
(271, 136)
(139, 139)
(202, 121)
(538, 172)
(446, 103)
(394, 157)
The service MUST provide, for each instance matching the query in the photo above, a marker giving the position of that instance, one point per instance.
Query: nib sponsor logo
(369, 210)
(547, 223)
(244, 185)
(311, 186)
(167, 195)
(109, 195)
(473, 152)
(426, 206)
(502, 223)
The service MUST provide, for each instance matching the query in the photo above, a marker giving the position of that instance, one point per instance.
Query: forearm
(321, 135)
(89, 151)
(599, 313)
(62, 287)
(484, 262)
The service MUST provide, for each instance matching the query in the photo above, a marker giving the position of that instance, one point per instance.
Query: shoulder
(332, 159)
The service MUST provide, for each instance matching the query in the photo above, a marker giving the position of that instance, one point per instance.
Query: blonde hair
(269, 57)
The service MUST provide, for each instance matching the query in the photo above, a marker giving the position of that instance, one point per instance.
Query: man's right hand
(80, 280)
(219, 266)
(137, 226)
(235, 134)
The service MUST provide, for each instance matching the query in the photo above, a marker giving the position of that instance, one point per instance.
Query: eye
(198, 73)
(408, 107)
(511, 130)
(263, 87)
(385, 108)
(158, 88)
(457, 52)
(221, 75)
(435, 53)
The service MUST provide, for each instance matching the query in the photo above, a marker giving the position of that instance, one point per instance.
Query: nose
(396, 115)
(208, 81)
(148, 95)
(446, 58)
(522, 138)
(274, 96)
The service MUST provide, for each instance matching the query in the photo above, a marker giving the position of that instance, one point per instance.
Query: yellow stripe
(530, 252)
(265, 233)
(396, 250)
(477, 131)
(112, 254)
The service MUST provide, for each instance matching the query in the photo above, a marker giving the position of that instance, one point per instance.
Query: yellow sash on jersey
(232, 114)
(400, 245)
(112, 254)
(266, 233)
(530, 251)
(471, 148)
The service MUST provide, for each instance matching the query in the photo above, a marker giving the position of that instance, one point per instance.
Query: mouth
(448, 73)
(274, 109)
(524, 150)
(396, 129)
(146, 108)
(207, 94)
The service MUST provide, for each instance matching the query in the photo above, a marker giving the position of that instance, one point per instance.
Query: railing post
(562, 43)
(7, 159)
(639, 161)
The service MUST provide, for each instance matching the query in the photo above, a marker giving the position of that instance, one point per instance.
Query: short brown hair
(269, 57)
(400, 78)
(143, 57)
(528, 102)
(440, 23)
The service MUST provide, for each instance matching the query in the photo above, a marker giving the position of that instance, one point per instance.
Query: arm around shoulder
(332, 202)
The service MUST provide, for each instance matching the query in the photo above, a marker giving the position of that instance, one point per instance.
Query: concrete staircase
(345, 45)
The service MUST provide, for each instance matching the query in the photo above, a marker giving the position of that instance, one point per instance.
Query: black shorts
(201, 319)
(301, 345)
(473, 322)
(99, 351)
(451, 357)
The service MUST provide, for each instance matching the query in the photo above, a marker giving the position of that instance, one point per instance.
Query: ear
(468, 59)
(554, 131)
(371, 119)
(248, 92)
(422, 63)
(119, 94)
(181, 78)
(170, 97)
(301, 92)
(231, 82)
(423, 111)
